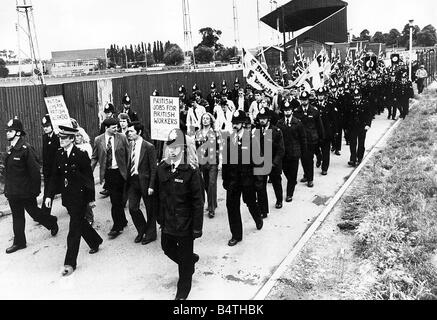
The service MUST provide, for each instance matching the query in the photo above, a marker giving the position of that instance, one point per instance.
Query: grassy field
(395, 209)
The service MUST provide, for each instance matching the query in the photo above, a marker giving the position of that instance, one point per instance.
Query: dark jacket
(329, 116)
(146, 166)
(49, 148)
(75, 176)
(294, 135)
(312, 123)
(277, 142)
(22, 172)
(180, 200)
(235, 172)
(359, 115)
(404, 92)
(133, 116)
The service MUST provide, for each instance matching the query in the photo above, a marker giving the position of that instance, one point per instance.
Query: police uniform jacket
(329, 116)
(312, 123)
(277, 142)
(21, 172)
(359, 115)
(210, 98)
(133, 116)
(75, 176)
(238, 173)
(180, 200)
(295, 141)
(49, 147)
(404, 92)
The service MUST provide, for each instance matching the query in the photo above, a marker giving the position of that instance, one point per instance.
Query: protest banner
(257, 76)
(164, 116)
(58, 112)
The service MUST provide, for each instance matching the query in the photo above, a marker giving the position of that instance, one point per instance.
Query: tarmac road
(124, 270)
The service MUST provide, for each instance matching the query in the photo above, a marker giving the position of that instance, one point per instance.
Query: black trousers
(261, 194)
(180, 250)
(420, 85)
(358, 143)
(18, 205)
(275, 177)
(308, 162)
(115, 185)
(325, 154)
(233, 196)
(392, 109)
(290, 168)
(404, 107)
(78, 228)
(338, 139)
(135, 194)
(44, 209)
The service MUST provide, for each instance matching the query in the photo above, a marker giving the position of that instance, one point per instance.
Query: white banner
(257, 76)
(58, 112)
(315, 75)
(164, 116)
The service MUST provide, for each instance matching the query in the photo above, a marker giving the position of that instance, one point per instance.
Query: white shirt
(176, 164)
(193, 118)
(114, 161)
(254, 110)
(69, 150)
(138, 143)
(241, 103)
(223, 118)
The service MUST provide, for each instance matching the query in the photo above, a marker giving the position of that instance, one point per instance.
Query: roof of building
(73, 55)
(298, 14)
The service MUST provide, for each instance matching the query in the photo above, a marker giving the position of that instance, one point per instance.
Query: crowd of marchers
(227, 131)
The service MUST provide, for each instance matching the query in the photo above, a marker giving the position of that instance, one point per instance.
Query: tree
(210, 38)
(364, 35)
(155, 52)
(174, 55)
(204, 54)
(379, 37)
(4, 72)
(427, 37)
(393, 37)
(404, 40)
(226, 54)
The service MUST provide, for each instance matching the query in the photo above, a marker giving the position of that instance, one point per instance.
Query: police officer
(340, 99)
(180, 209)
(50, 144)
(310, 117)
(133, 116)
(212, 98)
(391, 98)
(329, 115)
(72, 169)
(359, 122)
(23, 185)
(239, 176)
(109, 112)
(184, 105)
(404, 92)
(295, 144)
(234, 92)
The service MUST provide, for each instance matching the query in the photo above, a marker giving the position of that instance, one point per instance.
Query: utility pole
(236, 28)
(26, 26)
(188, 39)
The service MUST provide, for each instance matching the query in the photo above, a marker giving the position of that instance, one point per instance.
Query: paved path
(124, 270)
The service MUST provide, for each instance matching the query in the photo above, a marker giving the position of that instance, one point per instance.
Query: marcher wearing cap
(310, 117)
(109, 112)
(126, 101)
(272, 150)
(404, 93)
(239, 176)
(111, 151)
(359, 121)
(50, 144)
(178, 190)
(421, 75)
(295, 145)
(73, 171)
(23, 185)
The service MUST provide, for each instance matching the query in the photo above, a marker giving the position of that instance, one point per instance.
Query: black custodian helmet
(15, 124)
(239, 116)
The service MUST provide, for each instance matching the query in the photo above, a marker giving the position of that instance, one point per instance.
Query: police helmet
(126, 99)
(15, 124)
(239, 116)
(46, 121)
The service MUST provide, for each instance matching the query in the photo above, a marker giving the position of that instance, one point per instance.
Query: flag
(317, 73)
(299, 64)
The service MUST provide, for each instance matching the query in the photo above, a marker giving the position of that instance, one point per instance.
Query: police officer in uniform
(310, 117)
(72, 168)
(359, 121)
(184, 105)
(295, 144)
(391, 98)
(340, 99)
(23, 185)
(212, 98)
(180, 209)
(404, 92)
(133, 116)
(50, 144)
(270, 137)
(239, 177)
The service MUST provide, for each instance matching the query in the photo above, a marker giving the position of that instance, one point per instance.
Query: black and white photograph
(218, 151)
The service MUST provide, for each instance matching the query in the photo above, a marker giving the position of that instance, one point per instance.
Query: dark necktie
(173, 167)
(109, 154)
(132, 162)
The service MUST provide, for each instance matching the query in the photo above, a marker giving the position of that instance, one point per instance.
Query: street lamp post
(411, 48)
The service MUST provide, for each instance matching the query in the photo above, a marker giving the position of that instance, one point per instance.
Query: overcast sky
(84, 24)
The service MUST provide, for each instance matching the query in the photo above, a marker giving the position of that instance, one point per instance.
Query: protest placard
(58, 112)
(164, 116)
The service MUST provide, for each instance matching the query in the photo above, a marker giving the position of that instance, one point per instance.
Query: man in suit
(295, 145)
(180, 209)
(141, 183)
(111, 151)
(50, 144)
(73, 171)
(133, 116)
(23, 185)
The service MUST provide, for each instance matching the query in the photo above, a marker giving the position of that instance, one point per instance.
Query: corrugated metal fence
(27, 102)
